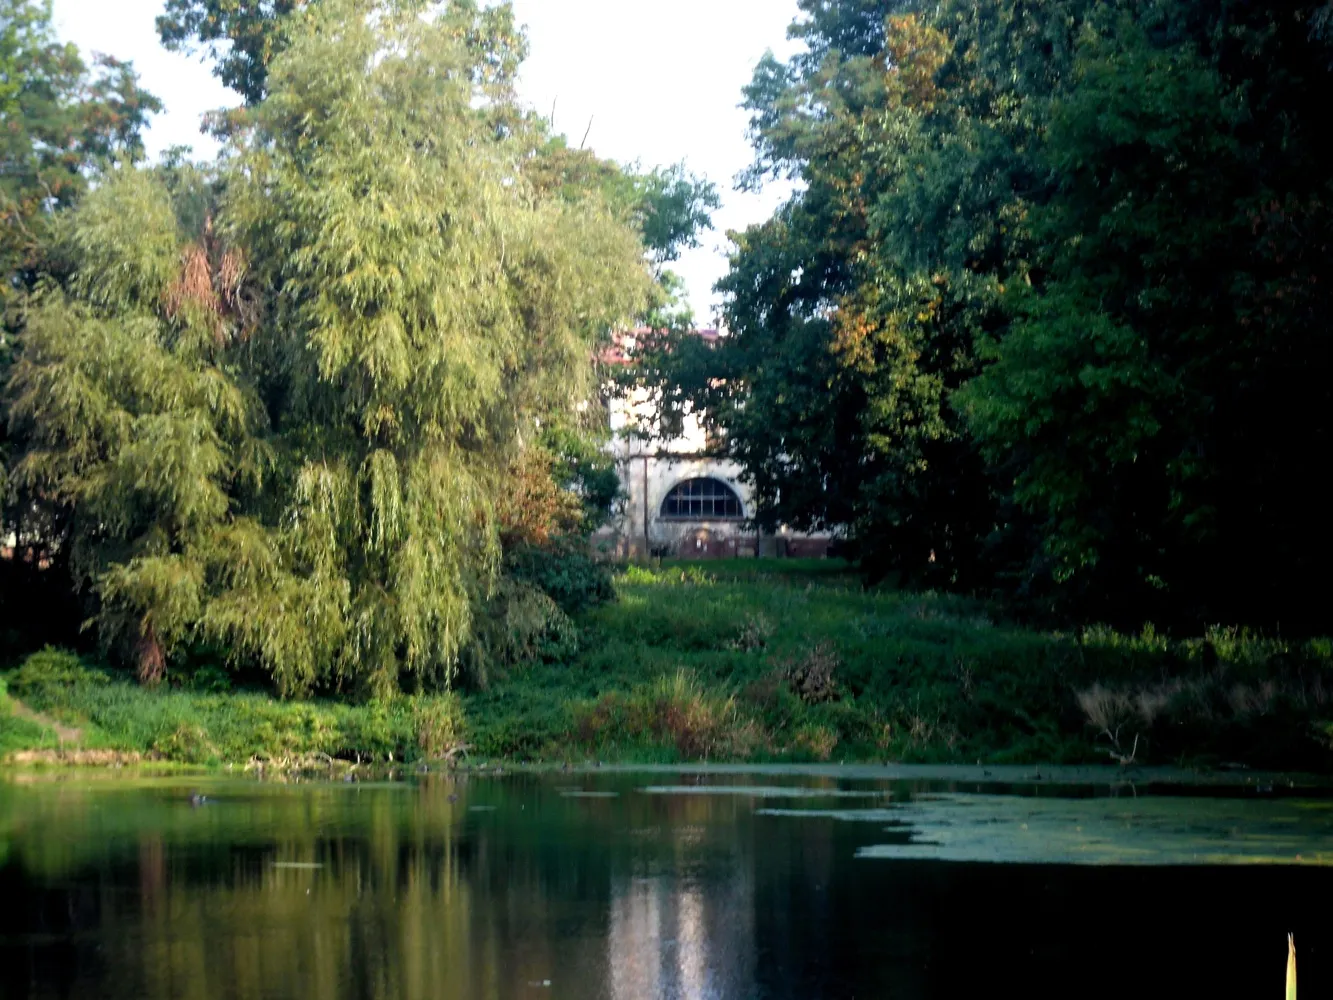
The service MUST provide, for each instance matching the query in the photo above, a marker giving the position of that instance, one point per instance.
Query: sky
(649, 82)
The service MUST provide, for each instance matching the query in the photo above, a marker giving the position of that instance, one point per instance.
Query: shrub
(439, 724)
(187, 743)
(753, 635)
(565, 571)
(1266, 717)
(811, 677)
(520, 625)
(817, 741)
(673, 712)
(47, 671)
(209, 680)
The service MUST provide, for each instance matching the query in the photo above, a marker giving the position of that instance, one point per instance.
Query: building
(680, 498)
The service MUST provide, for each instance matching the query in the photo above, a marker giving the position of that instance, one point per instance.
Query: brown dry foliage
(213, 293)
(1123, 712)
(811, 677)
(150, 660)
(193, 287)
(535, 509)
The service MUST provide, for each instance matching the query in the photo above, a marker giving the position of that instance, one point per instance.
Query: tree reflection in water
(454, 890)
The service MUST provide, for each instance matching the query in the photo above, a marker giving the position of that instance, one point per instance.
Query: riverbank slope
(747, 661)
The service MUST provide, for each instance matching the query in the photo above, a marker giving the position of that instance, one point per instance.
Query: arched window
(702, 500)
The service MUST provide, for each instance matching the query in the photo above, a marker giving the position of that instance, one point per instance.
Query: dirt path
(65, 734)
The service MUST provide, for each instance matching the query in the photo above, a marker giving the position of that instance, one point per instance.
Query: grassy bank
(756, 660)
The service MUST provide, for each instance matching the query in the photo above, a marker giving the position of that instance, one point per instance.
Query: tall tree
(295, 425)
(242, 36)
(1045, 308)
(59, 122)
(1159, 393)
(831, 388)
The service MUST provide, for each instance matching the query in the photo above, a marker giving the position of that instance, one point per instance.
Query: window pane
(702, 499)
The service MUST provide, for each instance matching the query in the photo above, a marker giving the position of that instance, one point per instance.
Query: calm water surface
(638, 886)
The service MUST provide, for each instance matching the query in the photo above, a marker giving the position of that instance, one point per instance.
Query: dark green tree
(242, 36)
(831, 387)
(60, 122)
(1039, 315)
(1159, 394)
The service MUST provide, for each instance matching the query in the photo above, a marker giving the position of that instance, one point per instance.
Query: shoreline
(1145, 779)
(789, 668)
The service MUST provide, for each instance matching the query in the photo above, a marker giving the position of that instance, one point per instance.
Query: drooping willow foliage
(282, 408)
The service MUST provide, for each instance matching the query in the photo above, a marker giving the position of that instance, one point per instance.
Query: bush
(520, 625)
(565, 571)
(209, 680)
(187, 743)
(753, 635)
(816, 741)
(47, 671)
(439, 724)
(674, 713)
(811, 677)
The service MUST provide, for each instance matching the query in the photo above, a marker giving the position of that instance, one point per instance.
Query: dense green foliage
(784, 660)
(190, 725)
(1047, 312)
(669, 206)
(770, 660)
(286, 408)
(1044, 322)
(59, 121)
(243, 36)
(62, 125)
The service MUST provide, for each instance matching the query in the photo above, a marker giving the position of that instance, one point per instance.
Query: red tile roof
(623, 342)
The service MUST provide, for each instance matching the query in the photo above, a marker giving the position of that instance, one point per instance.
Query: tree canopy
(242, 36)
(286, 407)
(1046, 312)
(59, 122)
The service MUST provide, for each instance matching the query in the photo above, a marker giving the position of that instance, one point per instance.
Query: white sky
(660, 83)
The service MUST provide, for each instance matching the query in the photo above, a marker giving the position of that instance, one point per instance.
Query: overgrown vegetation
(1044, 319)
(764, 661)
(319, 407)
(1045, 316)
(193, 726)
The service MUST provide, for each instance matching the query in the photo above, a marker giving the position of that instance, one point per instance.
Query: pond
(633, 885)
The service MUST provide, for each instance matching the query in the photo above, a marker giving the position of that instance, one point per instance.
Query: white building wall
(649, 470)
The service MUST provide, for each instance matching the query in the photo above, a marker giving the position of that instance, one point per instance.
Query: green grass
(899, 676)
(738, 570)
(227, 727)
(18, 733)
(776, 660)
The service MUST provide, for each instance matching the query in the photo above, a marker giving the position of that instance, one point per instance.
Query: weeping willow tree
(285, 409)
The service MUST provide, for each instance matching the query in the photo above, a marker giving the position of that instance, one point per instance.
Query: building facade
(679, 498)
